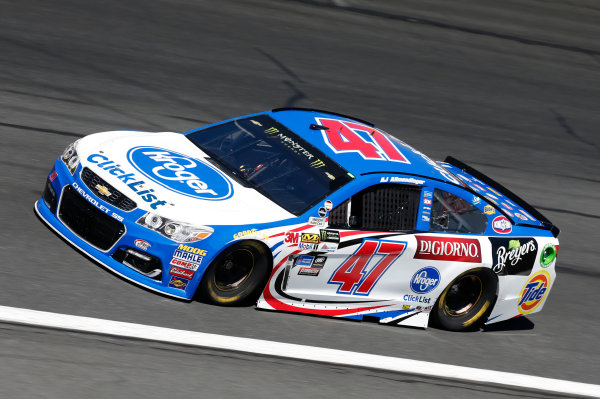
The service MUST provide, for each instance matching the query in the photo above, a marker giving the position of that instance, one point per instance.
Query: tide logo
(534, 292)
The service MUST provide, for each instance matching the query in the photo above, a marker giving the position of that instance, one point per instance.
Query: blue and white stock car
(303, 211)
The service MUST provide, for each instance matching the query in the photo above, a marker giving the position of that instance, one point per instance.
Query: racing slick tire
(467, 301)
(238, 275)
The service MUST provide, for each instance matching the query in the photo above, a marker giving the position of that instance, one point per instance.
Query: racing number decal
(351, 275)
(342, 136)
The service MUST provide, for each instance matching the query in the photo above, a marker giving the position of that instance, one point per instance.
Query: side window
(452, 214)
(390, 207)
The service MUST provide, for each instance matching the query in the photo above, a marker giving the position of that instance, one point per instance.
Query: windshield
(263, 154)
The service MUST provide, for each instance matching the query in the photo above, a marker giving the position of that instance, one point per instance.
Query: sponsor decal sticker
(489, 210)
(416, 298)
(53, 175)
(328, 205)
(548, 255)
(184, 264)
(520, 216)
(303, 246)
(309, 271)
(310, 238)
(328, 246)
(305, 260)
(188, 274)
(476, 200)
(319, 222)
(425, 280)
(181, 173)
(405, 307)
(501, 225)
(426, 201)
(292, 237)
(322, 212)
(132, 181)
(425, 218)
(330, 235)
(513, 256)
(178, 282)
(448, 249)
(319, 262)
(533, 292)
(396, 179)
(253, 232)
(141, 244)
(428, 194)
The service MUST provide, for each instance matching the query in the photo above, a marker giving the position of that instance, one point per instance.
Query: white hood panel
(166, 174)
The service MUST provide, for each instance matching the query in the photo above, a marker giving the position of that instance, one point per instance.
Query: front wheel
(237, 276)
(467, 301)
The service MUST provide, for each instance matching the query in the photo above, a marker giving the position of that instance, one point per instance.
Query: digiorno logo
(180, 173)
(448, 249)
(534, 292)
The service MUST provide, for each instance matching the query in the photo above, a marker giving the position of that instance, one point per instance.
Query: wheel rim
(234, 270)
(463, 295)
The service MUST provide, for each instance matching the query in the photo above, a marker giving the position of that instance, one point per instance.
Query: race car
(305, 211)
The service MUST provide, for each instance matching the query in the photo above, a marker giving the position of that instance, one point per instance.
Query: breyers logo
(180, 173)
(448, 249)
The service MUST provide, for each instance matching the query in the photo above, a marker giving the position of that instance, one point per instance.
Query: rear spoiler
(546, 224)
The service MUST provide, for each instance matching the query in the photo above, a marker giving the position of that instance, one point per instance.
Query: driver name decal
(181, 173)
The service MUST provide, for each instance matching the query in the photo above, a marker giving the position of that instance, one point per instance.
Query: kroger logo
(425, 280)
(180, 173)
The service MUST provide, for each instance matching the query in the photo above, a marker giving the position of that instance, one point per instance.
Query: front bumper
(125, 235)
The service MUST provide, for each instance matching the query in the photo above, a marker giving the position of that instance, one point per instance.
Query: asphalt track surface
(512, 88)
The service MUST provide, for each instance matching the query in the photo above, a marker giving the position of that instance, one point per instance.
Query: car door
(359, 254)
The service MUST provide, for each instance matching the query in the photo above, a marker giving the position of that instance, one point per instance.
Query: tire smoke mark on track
(444, 25)
(280, 64)
(38, 129)
(570, 269)
(562, 121)
(23, 93)
(299, 95)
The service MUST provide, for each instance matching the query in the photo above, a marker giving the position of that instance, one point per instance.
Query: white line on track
(292, 351)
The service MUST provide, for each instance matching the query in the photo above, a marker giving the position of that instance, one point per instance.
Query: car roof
(406, 160)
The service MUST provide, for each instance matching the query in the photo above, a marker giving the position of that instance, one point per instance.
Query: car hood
(166, 174)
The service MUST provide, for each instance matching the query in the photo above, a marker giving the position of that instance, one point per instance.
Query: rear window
(452, 214)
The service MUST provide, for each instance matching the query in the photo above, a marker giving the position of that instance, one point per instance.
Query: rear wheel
(467, 301)
(237, 276)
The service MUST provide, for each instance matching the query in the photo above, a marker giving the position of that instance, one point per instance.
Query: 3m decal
(501, 225)
(534, 291)
(181, 173)
(425, 280)
(310, 238)
(352, 275)
(178, 282)
(292, 237)
(368, 142)
(187, 274)
(448, 249)
(513, 256)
